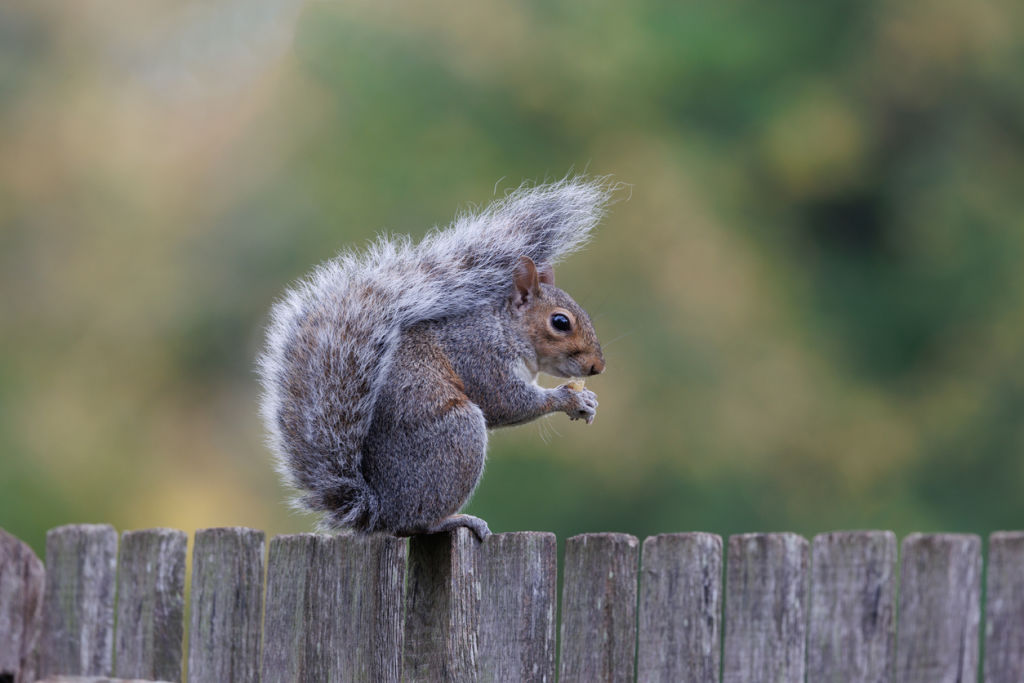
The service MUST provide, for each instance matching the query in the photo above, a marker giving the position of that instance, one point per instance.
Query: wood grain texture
(97, 679)
(1004, 611)
(442, 608)
(368, 573)
(226, 605)
(334, 608)
(150, 604)
(940, 584)
(22, 580)
(289, 569)
(78, 607)
(516, 625)
(680, 608)
(599, 608)
(851, 635)
(765, 608)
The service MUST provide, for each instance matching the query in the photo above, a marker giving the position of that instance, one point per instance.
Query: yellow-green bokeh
(810, 295)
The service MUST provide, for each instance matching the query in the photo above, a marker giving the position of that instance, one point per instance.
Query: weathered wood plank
(442, 608)
(334, 608)
(150, 604)
(289, 565)
(680, 608)
(1004, 612)
(765, 608)
(226, 605)
(517, 576)
(371, 600)
(940, 584)
(599, 608)
(78, 607)
(22, 580)
(95, 679)
(851, 634)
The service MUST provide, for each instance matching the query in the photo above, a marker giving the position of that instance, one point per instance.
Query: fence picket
(680, 608)
(334, 608)
(851, 635)
(78, 605)
(599, 608)
(517, 574)
(765, 608)
(96, 679)
(940, 584)
(441, 608)
(150, 604)
(1004, 610)
(22, 580)
(289, 601)
(448, 607)
(227, 601)
(371, 589)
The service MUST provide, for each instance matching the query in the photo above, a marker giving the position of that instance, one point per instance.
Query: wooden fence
(447, 607)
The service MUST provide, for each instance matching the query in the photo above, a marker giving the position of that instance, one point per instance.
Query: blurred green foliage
(810, 296)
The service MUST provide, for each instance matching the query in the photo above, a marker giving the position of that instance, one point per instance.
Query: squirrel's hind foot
(474, 524)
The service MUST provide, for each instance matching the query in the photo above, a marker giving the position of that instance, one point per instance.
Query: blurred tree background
(810, 296)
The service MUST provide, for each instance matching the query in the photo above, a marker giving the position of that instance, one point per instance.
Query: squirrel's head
(560, 331)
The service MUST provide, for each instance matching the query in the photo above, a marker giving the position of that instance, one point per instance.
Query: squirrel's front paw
(581, 404)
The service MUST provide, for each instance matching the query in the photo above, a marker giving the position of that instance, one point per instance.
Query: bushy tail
(332, 337)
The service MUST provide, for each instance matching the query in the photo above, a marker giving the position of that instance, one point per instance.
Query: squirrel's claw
(582, 403)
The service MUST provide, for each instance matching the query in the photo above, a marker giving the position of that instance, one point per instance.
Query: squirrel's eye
(560, 322)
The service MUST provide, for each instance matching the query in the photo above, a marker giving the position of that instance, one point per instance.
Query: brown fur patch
(579, 343)
(451, 391)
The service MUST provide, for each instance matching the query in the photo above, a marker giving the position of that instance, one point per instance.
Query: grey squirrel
(383, 371)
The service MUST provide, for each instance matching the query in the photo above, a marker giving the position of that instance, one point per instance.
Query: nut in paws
(582, 405)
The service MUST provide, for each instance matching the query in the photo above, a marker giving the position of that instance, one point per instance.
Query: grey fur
(345, 349)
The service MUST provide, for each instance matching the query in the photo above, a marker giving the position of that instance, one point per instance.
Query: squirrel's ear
(527, 282)
(546, 274)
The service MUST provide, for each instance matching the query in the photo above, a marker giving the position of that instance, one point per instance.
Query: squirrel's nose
(598, 367)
